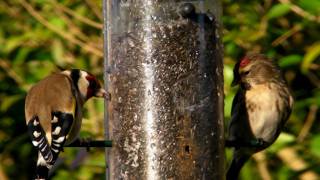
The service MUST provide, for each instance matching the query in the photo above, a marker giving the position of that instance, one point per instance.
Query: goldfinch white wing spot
(59, 140)
(36, 134)
(35, 123)
(56, 130)
(54, 120)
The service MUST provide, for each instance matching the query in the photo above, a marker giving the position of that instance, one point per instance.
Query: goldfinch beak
(103, 94)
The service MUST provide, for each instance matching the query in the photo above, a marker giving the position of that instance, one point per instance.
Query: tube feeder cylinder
(164, 71)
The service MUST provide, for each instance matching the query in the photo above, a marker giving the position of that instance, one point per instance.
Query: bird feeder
(164, 71)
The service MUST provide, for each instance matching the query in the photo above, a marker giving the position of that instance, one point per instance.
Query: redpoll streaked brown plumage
(260, 109)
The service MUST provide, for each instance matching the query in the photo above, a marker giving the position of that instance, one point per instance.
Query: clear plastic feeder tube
(164, 71)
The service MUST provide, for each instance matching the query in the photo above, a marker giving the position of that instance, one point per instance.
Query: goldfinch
(53, 112)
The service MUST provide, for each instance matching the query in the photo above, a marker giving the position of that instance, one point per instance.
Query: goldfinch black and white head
(87, 84)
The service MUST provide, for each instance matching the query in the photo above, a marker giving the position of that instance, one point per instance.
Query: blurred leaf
(13, 43)
(6, 121)
(39, 70)
(303, 103)
(290, 60)
(283, 140)
(229, 95)
(228, 74)
(85, 134)
(26, 150)
(41, 1)
(21, 55)
(315, 145)
(58, 22)
(312, 53)
(96, 160)
(284, 173)
(247, 172)
(84, 173)
(228, 104)
(312, 6)
(99, 105)
(62, 174)
(9, 101)
(58, 51)
(230, 48)
(278, 10)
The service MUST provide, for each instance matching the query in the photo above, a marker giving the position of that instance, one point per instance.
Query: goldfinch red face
(89, 86)
(94, 87)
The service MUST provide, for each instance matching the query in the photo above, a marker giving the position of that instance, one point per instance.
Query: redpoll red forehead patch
(245, 61)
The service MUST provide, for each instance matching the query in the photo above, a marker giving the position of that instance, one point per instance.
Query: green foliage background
(37, 36)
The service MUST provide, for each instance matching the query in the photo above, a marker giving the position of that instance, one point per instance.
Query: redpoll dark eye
(246, 72)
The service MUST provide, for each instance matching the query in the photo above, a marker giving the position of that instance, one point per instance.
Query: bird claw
(108, 96)
(85, 142)
(258, 143)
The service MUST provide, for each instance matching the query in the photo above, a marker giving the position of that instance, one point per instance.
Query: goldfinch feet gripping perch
(53, 111)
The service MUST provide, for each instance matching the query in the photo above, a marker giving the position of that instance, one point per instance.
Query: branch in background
(94, 124)
(77, 16)
(314, 67)
(291, 158)
(259, 34)
(60, 32)
(267, 4)
(3, 175)
(296, 28)
(313, 79)
(73, 29)
(6, 66)
(97, 11)
(308, 123)
(299, 11)
(11, 10)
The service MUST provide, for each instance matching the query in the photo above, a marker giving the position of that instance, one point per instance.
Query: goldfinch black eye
(93, 84)
(92, 81)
